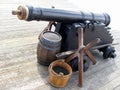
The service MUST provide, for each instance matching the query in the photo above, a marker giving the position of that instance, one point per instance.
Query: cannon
(95, 26)
(71, 25)
(30, 13)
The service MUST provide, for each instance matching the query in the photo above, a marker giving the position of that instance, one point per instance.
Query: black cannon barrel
(36, 13)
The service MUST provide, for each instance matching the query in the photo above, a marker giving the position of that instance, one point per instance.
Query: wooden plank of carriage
(18, 62)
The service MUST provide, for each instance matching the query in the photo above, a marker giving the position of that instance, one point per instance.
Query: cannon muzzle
(30, 13)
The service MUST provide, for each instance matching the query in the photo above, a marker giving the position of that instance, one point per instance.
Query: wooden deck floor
(18, 63)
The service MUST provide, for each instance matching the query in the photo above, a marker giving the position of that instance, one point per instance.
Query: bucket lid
(50, 38)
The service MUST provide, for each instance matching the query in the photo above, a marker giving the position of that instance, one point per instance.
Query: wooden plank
(112, 85)
(18, 61)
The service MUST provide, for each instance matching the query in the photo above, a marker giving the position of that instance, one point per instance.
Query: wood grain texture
(18, 62)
